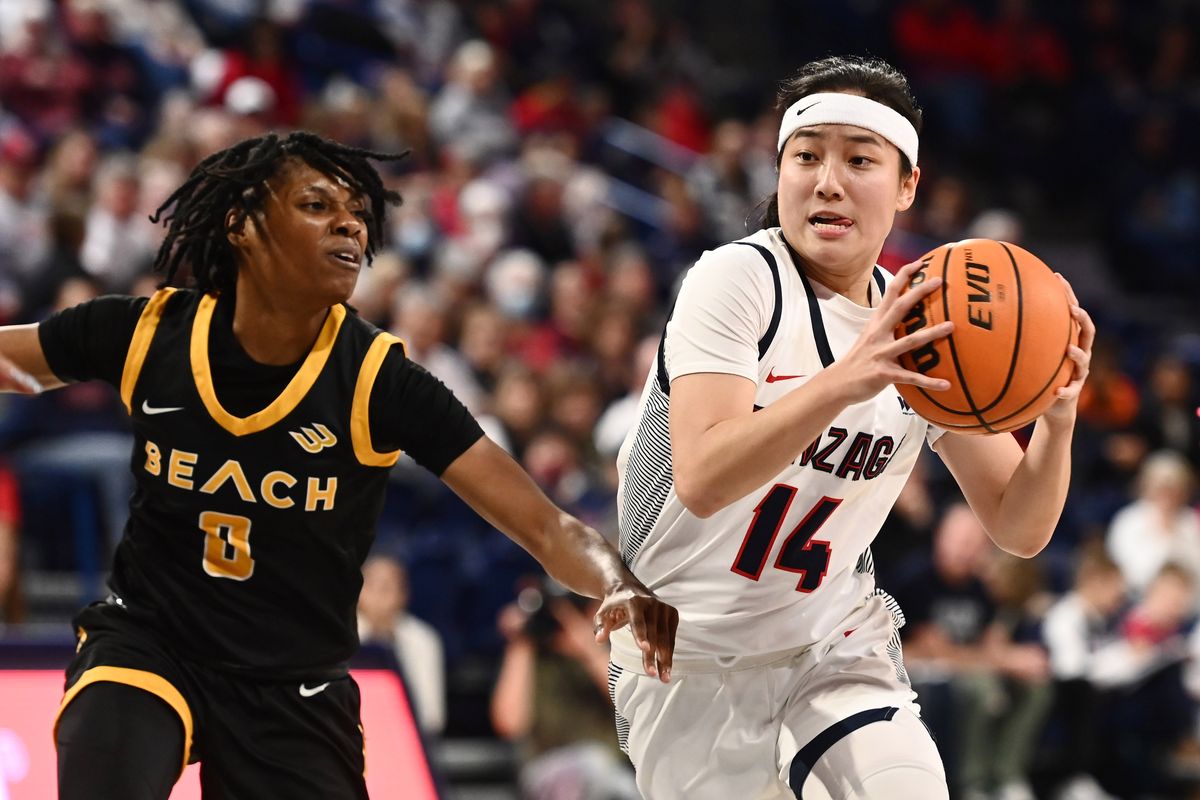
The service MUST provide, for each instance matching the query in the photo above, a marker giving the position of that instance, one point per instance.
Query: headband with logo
(835, 108)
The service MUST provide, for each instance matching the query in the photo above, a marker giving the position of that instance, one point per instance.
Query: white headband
(835, 108)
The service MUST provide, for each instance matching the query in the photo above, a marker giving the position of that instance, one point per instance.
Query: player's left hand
(1063, 409)
(652, 622)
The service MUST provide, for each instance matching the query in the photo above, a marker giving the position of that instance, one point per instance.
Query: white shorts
(821, 720)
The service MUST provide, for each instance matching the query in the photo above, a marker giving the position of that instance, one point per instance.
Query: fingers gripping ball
(1008, 353)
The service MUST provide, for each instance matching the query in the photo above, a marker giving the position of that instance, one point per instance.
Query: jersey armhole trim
(360, 417)
(764, 343)
(156, 685)
(139, 345)
(814, 310)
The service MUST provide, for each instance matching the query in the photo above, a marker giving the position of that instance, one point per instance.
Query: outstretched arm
(23, 366)
(1019, 496)
(575, 555)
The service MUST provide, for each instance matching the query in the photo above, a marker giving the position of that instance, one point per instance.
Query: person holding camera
(551, 698)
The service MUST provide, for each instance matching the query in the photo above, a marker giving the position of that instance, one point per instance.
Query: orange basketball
(1008, 352)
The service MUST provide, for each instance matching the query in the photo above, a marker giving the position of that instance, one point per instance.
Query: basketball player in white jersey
(771, 445)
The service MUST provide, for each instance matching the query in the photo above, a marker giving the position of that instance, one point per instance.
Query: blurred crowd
(568, 159)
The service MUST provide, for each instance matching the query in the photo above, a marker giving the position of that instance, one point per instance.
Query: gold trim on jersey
(139, 345)
(363, 733)
(291, 396)
(360, 422)
(156, 685)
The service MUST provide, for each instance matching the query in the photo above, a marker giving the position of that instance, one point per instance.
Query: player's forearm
(1033, 499)
(738, 455)
(579, 558)
(23, 366)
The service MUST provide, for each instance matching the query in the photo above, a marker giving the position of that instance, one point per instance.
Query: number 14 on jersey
(801, 553)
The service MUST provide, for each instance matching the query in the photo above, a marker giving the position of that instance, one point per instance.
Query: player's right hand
(873, 361)
(652, 622)
(15, 379)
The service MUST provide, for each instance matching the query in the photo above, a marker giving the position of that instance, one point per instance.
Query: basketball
(1008, 353)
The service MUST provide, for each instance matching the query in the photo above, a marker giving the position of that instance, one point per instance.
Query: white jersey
(781, 567)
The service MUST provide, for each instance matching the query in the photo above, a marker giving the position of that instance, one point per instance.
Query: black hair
(872, 77)
(235, 179)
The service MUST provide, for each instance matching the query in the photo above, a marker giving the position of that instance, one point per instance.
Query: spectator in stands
(539, 223)
(574, 399)
(377, 288)
(961, 658)
(514, 283)
(1153, 716)
(383, 618)
(1167, 415)
(61, 264)
(401, 118)
(119, 243)
(66, 183)
(614, 334)
(908, 528)
(24, 222)
(80, 432)
(262, 54)
(1076, 632)
(1018, 588)
(420, 320)
(622, 413)
(118, 102)
(1108, 450)
(42, 82)
(631, 283)
(519, 404)
(482, 341)
(162, 35)
(570, 476)
(1160, 526)
(470, 114)
(943, 44)
(564, 334)
(551, 696)
(730, 181)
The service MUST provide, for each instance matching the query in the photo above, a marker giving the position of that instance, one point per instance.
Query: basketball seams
(1016, 348)
(962, 379)
(926, 394)
(1046, 385)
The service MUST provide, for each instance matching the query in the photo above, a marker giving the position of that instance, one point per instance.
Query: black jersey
(250, 521)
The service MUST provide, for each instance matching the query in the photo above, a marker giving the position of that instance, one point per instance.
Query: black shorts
(253, 738)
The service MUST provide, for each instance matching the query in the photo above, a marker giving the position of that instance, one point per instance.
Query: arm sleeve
(413, 411)
(90, 341)
(724, 307)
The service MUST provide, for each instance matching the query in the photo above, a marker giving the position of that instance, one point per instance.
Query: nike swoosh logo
(151, 410)
(307, 692)
(806, 108)
(772, 377)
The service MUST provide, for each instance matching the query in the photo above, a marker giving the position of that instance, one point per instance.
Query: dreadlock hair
(236, 179)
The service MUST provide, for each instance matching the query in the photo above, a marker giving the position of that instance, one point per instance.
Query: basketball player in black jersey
(266, 417)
